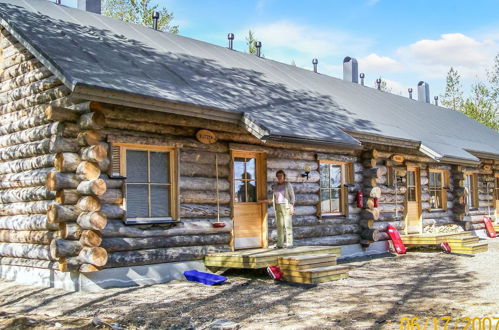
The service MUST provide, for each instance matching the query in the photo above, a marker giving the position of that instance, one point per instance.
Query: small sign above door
(206, 137)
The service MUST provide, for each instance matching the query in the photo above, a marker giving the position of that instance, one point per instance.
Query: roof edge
(383, 139)
(483, 155)
(68, 81)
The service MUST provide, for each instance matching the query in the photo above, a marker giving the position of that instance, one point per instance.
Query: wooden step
(285, 267)
(472, 248)
(496, 228)
(462, 241)
(316, 280)
(307, 259)
(317, 272)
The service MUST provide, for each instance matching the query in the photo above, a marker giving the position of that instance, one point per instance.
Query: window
(497, 188)
(333, 192)
(245, 179)
(150, 183)
(411, 186)
(470, 186)
(438, 181)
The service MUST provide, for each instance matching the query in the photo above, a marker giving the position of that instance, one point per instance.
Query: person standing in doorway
(284, 201)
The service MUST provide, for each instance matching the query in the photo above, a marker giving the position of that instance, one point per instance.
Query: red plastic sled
(489, 227)
(397, 241)
(445, 247)
(275, 272)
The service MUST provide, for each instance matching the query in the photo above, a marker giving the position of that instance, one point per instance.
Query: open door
(249, 180)
(413, 221)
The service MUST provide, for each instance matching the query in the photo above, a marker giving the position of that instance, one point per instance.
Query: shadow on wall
(98, 57)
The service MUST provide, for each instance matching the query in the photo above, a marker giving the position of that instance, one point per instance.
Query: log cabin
(129, 150)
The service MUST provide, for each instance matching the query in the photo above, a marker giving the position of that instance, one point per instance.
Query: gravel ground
(378, 293)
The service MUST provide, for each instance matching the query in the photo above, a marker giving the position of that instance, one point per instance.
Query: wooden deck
(463, 242)
(261, 258)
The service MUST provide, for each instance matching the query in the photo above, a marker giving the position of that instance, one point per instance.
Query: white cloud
(374, 62)
(371, 2)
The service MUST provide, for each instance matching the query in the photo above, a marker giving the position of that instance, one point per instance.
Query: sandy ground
(378, 293)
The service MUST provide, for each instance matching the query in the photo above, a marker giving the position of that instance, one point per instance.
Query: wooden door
(249, 195)
(413, 202)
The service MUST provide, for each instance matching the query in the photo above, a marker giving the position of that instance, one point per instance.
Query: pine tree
(481, 106)
(139, 12)
(453, 96)
(250, 42)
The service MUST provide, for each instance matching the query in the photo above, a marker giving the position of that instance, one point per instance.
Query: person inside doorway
(284, 201)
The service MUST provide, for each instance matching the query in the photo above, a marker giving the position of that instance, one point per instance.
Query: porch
(463, 242)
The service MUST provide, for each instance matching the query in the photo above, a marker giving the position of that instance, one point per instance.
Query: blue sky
(401, 41)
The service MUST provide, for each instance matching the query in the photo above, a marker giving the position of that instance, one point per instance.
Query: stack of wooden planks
(312, 268)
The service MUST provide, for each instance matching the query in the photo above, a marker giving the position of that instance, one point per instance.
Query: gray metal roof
(103, 53)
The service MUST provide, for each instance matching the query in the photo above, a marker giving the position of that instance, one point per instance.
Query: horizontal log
(23, 124)
(292, 164)
(202, 211)
(382, 225)
(67, 196)
(370, 214)
(319, 231)
(112, 196)
(96, 256)
(387, 198)
(25, 179)
(92, 120)
(95, 153)
(140, 127)
(113, 211)
(25, 195)
(54, 113)
(200, 197)
(64, 248)
(31, 134)
(116, 228)
(299, 210)
(24, 262)
(89, 204)
(92, 220)
(62, 213)
(70, 230)
(375, 172)
(329, 240)
(90, 238)
(39, 207)
(162, 255)
(22, 250)
(88, 170)
(295, 175)
(51, 95)
(88, 268)
(27, 164)
(129, 244)
(203, 170)
(203, 184)
(435, 214)
(31, 89)
(96, 187)
(27, 222)
(391, 207)
(28, 236)
(54, 144)
(66, 162)
(25, 79)
(58, 181)
(18, 69)
(336, 157)
(113, 183)
(306, 199)
(204, 157)
(88, 138)
(391, 189)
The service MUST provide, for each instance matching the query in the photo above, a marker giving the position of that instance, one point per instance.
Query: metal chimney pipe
(93, 6)
(410, 93)
(258, 46)
(230, 36)
(436, 100)
(350, 70)
(378, 83)
(58, 2)
(362, 76)
(423, 92)
(315, 62)
(155, 19)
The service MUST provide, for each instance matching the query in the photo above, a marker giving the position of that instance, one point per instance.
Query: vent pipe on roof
(362, 76)
(423, 92)
(378, 83)
(258, 46)
(436, 100)
(230, 36)
(350, 70)
(315, 62)
(93, 6)
(410, 93)
(58, 2)
(155, 19)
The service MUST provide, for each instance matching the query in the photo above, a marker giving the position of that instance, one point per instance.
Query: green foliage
(139, 12)
(481, 106)
(453, 96)
(250, 42)
(383, 86)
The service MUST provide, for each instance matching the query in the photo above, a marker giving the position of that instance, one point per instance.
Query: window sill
(332, 216)
(438, 210)
(149, 221)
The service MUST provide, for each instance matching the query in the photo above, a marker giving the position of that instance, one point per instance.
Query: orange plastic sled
(489, 227)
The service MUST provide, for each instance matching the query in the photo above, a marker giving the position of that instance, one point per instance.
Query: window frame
(173, 181)
(474, 186)
(444, 180)
(496, 186)
(346, 178)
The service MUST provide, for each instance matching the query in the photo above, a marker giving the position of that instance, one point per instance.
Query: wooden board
(317, 272)
(316, 280)
(306, 259)
(308, 266)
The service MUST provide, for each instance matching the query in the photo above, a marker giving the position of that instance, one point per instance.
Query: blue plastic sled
(205, 278)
